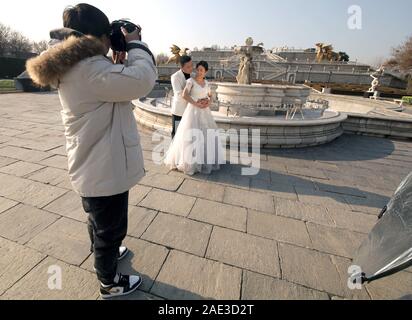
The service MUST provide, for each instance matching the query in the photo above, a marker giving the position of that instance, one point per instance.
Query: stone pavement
(287, 233)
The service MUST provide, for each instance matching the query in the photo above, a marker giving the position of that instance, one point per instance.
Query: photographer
(103, 144)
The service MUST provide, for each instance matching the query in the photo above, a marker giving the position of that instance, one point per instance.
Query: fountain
(283, 113)
(248, 99)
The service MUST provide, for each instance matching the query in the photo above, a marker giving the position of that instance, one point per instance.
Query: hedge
(407, 100)
(11, 67)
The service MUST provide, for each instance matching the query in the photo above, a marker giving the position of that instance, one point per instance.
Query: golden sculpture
(325, 53)
(177, 53)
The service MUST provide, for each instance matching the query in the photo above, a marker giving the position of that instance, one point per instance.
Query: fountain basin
(275, 132)
(249, 100)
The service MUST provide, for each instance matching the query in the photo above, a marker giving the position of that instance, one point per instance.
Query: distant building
(289, 65)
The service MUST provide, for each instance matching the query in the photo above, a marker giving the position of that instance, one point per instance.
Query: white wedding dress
(197, 146)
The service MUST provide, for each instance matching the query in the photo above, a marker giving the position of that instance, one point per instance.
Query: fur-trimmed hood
(46, 69)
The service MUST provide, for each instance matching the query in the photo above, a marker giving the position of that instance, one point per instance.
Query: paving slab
(168, 202)
(23, 154)
(335, 241)
(16, 261)
(21, 168)
(137, 194)
(22, 223)
(139, 220)
(259, 287)
(56, 161)
(6, 204)
(248, 199)
(77, 284)
(309, 172)
(4, 161)
(219, 214)
(353, 221)
(187, 277)
(304, 212)
(49, 175)
(179, 233)
(162, 181)
(28, 192)
(373, 204)
(244, 251)
(326, 199)
(278, 228)
(229, 180)
(315, 270)
(70, 206)
(66, 240)
(201, 189)
(276, 189)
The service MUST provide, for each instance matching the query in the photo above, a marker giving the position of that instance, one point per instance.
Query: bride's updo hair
(204, 64)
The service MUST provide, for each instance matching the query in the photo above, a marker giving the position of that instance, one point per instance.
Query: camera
(117, 38)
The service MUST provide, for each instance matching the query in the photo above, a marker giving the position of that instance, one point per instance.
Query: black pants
(107, 225)
(176, 121)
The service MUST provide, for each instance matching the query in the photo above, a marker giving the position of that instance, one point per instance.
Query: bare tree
(13, 42)
(402, 57)
(39, 47)
(401, 61)
(4, 38)
(19, 44)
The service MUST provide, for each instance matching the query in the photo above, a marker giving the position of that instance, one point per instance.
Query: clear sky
(197, 23)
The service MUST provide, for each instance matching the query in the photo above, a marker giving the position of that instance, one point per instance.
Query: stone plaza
(289, 232)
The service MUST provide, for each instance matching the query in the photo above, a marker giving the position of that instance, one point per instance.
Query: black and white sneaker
(122, 286)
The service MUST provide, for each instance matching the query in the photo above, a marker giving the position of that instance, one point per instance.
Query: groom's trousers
(107, 226)
(176, 120)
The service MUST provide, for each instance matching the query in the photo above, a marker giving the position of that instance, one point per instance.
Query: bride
(197, 147)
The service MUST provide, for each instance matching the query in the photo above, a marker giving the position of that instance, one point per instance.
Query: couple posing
(196, 145)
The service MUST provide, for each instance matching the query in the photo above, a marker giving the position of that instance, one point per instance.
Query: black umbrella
(388, 248)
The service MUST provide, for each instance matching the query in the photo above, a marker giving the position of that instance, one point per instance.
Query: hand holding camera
(132, 36)
(120, 56)
(122, 32)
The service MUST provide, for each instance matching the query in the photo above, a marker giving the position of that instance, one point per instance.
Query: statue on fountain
(246, 68)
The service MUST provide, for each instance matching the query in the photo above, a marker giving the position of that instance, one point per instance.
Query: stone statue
(375, 82)
(246, 68)
(177, 53)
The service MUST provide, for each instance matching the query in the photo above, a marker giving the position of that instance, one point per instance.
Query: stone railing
(381, 126)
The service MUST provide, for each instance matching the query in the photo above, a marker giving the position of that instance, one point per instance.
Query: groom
(179, 83)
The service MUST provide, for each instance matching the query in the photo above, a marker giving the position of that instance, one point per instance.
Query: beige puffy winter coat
(103, 144)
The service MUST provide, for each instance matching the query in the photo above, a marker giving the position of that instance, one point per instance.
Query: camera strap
(131, 46)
